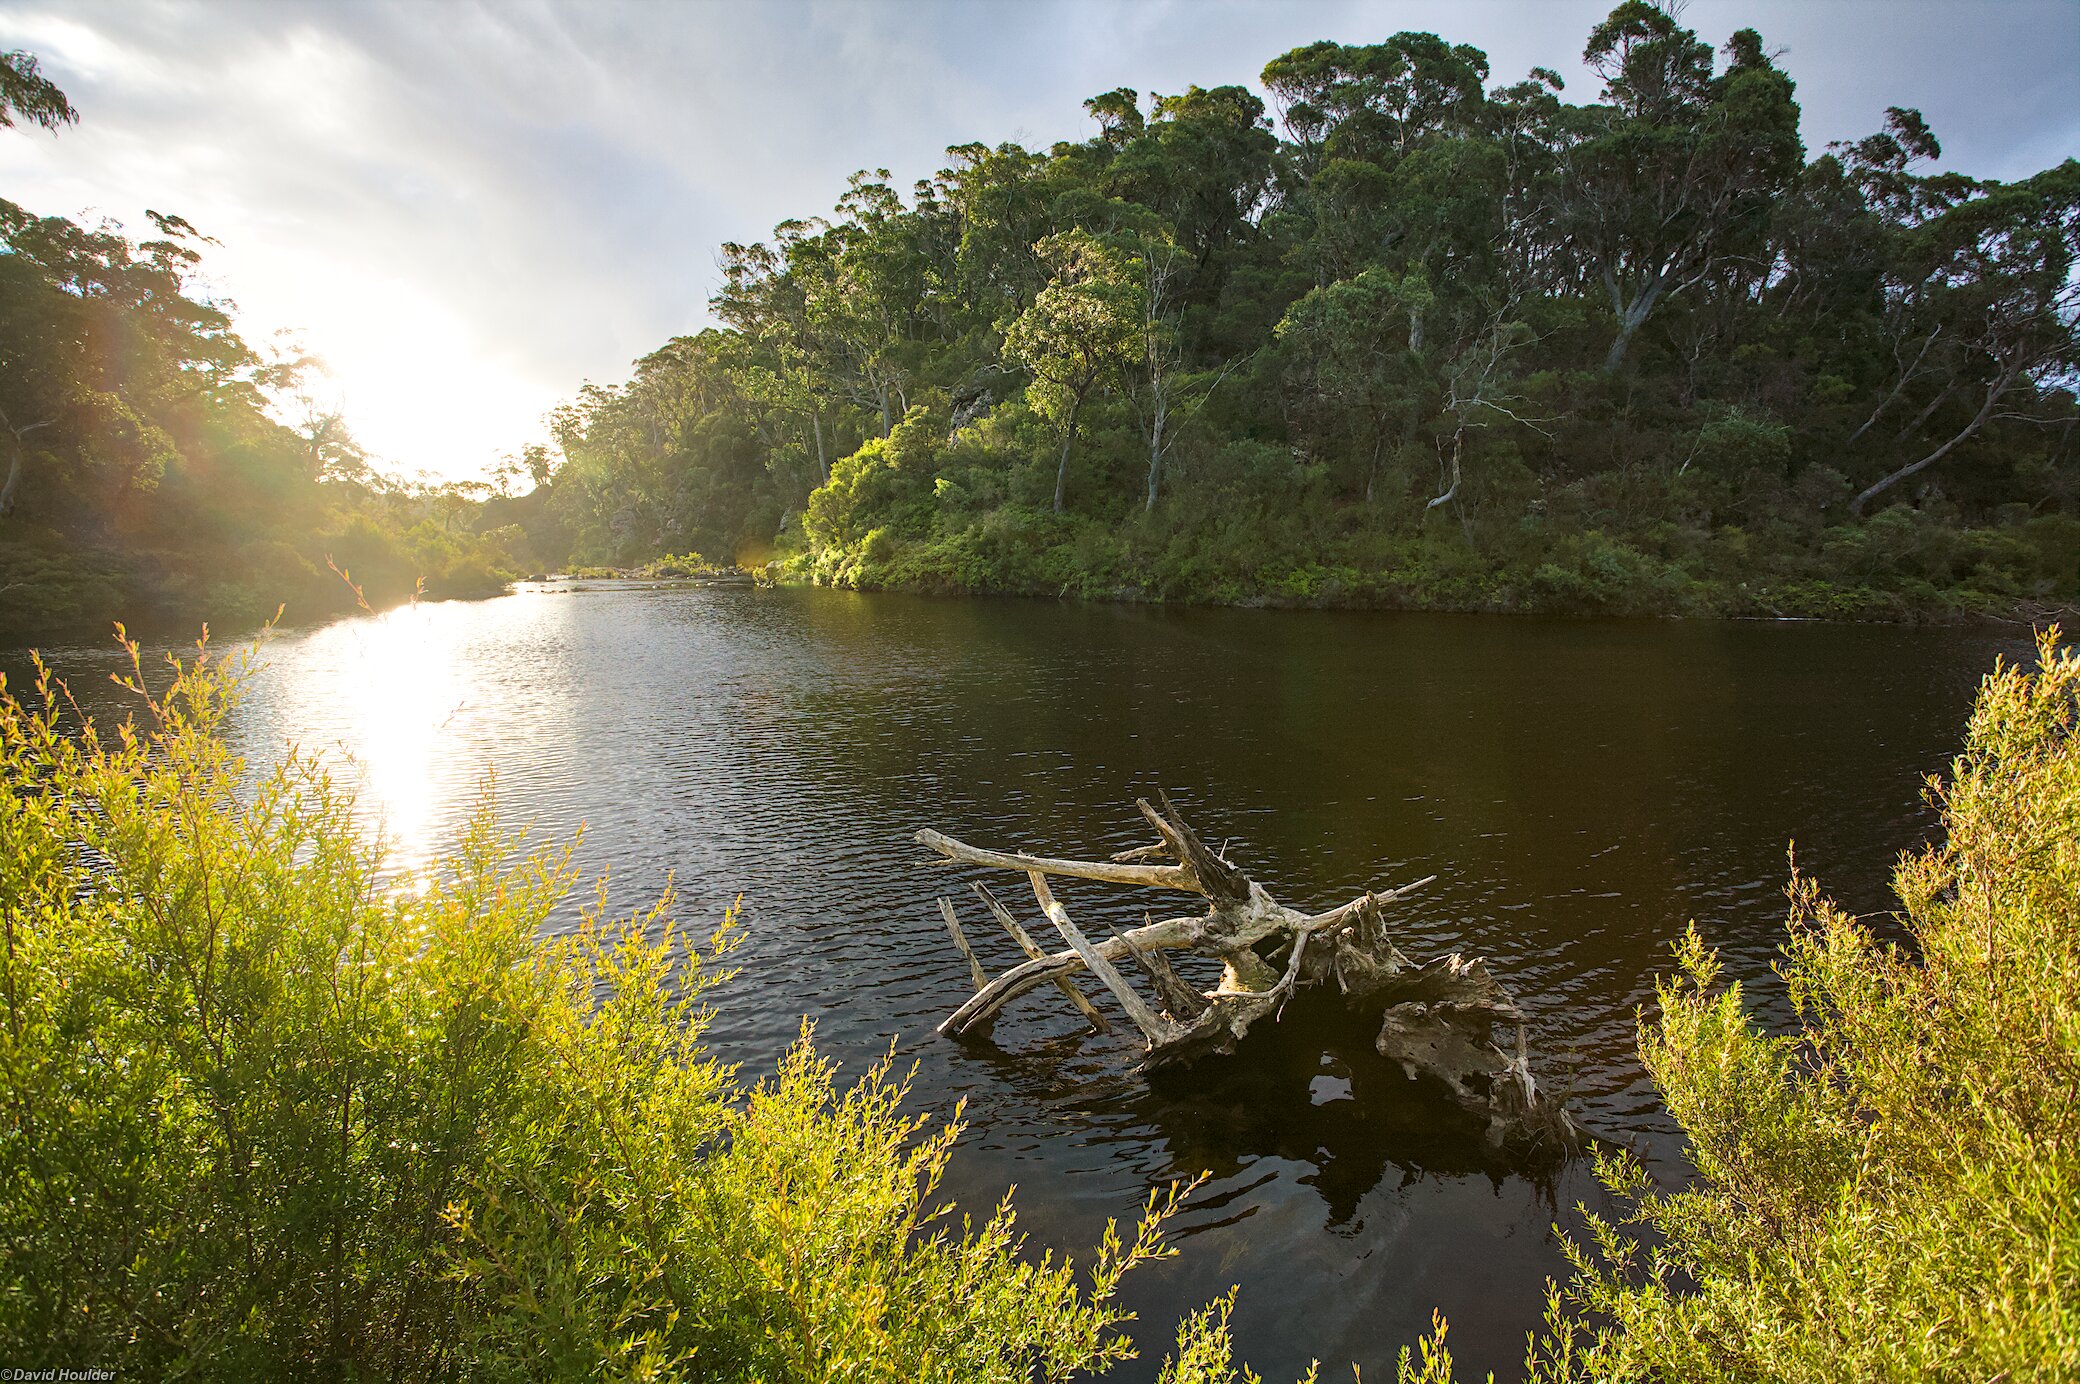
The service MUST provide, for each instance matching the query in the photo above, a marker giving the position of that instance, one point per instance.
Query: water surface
(1579, 788)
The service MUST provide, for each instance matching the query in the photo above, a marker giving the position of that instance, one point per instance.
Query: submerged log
(1438, 1020)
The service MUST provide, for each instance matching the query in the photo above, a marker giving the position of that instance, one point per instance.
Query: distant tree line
(1425, 340)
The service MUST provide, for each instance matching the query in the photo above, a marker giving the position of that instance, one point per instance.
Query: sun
(418, 390)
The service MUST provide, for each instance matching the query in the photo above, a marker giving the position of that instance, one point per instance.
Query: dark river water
(1579, 788)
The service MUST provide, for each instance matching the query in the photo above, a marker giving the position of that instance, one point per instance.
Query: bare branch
(1149, 876)
(1438, 1018)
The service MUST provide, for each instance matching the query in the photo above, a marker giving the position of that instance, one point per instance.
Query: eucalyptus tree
(862, 301)
(1184, 184)
(331, 451)
(1356, 381)
(1082, 332)
(941, 312)
(782, 364)
(26, 94)
(1844, 241)
(1373, 101)
(1354, 113)
(1118, 113)
(1999, 273)
(101, 348)
(1675, 174)
(1003, 201)
(1203, 162)
(680, 455)
(1974, 291)
(1159, 382)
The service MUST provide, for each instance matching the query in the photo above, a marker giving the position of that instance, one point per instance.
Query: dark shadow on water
(1308, 1089)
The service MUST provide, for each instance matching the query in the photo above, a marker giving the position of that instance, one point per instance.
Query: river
(1580, 788)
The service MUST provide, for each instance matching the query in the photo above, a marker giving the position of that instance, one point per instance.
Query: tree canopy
(1412, 336)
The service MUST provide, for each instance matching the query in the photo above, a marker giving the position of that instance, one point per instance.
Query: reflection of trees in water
(1307, 1090)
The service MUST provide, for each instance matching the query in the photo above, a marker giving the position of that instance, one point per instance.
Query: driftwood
(1439, 1019)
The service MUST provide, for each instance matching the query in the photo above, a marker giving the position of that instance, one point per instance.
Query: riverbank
(689, 567)
(48, 592)
(82, 598)
(1898, 567)
(1889, 570)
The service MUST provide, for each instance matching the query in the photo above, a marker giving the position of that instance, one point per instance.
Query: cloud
(471, 207)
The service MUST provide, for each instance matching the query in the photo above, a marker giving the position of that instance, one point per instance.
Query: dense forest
(158, 466)
(1424, 341)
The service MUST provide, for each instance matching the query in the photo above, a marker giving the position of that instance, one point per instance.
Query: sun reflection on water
(394, 693)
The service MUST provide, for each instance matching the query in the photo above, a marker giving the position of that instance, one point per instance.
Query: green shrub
(45, 585)
(377, 559)
(679, 565)
(265, 1114)
(1892, 1192)
(468, 575)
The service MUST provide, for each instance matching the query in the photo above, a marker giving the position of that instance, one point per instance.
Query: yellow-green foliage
(688, 564)
(1892, 1192)
(266, 1115)
(1206, 1351)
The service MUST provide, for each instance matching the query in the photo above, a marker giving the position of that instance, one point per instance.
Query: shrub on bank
(1891, 1192)
(1250, 526)
(264, 1114)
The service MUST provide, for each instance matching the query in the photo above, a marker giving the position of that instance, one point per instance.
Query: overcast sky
(469, 207)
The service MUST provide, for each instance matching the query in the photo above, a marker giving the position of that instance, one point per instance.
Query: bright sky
(469, 207)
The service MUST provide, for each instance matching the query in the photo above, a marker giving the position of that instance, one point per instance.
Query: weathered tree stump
(1438, 1019)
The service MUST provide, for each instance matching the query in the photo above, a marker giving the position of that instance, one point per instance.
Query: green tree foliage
(1435, 341)
(1671, 181)
(143, 468)
(1358, 387)
(1080, 333)
(26, 94)
(266, 1114)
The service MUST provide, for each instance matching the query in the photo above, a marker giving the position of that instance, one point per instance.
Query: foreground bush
(1893, 1191)
(265, 1115)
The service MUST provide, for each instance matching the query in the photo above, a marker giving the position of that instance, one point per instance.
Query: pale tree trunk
(1157, 269)
(17, 463)
(823, 460)
(1155, 447)
(1061, 471)
(14, 478)
(1907, 376)
(1942, 397)
(1451, 492)
(1993, 396)
(1630, 317)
